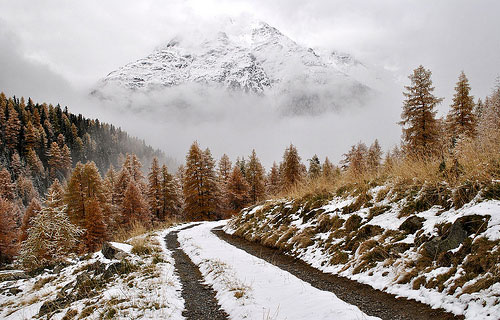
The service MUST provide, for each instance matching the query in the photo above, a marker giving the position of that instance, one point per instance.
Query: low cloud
(235, 123)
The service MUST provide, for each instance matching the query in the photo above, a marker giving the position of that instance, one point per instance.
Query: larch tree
(95, 226)
(57, 191)
(123, 179)
(17, 165)
(33, 209)
(489, 121)
(170, 198)
(255, 176)
(134, 207)
(7, 187)
(225, 168)
(110, 181)
(12, 128)
(210, 186)
(30, 137)
(273, 180)
(224, 173)
(134, 165)
(51, 238)
(237, 190)
(374, 157)
(291, 173)
(84, 197)
(8, 230)
(35, 164)
(199, 185)
(328, 169)
(154, 190)
(66, 161)
(55, 159)
(110, 191)
(420, 131)
(314, 167)
(193, 183)
(25, 189)
(355, 160)
(461, 118)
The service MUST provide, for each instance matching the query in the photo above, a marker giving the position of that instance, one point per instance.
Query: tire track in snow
(369, 300)
(200, 301)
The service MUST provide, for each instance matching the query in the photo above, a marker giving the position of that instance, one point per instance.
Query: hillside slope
(413, 242)
(44, 142)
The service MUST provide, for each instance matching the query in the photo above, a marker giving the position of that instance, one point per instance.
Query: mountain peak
(252, 57)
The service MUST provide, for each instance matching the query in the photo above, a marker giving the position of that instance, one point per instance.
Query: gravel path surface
(200, 301)
(371, 301)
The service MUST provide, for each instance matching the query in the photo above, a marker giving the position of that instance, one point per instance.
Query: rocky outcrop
(459, 231)
(110, 251)
(412, 224)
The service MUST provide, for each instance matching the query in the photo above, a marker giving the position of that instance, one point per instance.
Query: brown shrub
(339, 257)
(418, 282)
(353, 223)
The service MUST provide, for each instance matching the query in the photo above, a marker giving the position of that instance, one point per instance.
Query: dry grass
(304, 238)
(40, 283)
(137, 229)
(478, 162)
(141, 247)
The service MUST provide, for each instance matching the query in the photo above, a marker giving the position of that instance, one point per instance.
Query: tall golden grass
(474, 160)
(137, 229)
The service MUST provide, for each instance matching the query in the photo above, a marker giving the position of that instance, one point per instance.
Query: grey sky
(56, 50)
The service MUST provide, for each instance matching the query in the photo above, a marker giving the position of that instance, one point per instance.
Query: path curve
(200, 302)
(369, 300)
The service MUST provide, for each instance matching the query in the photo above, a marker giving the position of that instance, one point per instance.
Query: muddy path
(200, 302)
(371, 301)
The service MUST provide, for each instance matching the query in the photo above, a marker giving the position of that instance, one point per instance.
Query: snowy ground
(151, 290)
(251, 288)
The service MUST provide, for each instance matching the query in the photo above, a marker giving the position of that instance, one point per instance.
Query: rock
(455, 237)
(412, 224)
(52, 306)
(474, 224)
(111, 252)
(15, 291)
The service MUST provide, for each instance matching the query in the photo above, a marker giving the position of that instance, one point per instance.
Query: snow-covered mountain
(254, 58)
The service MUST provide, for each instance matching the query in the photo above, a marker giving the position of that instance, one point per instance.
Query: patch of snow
(269, 292)
(122, 246)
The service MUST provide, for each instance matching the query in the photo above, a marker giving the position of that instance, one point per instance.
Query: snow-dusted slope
(249, 57)
(381, 238)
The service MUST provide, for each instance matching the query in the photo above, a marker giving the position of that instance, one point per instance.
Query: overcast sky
(53, 50)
